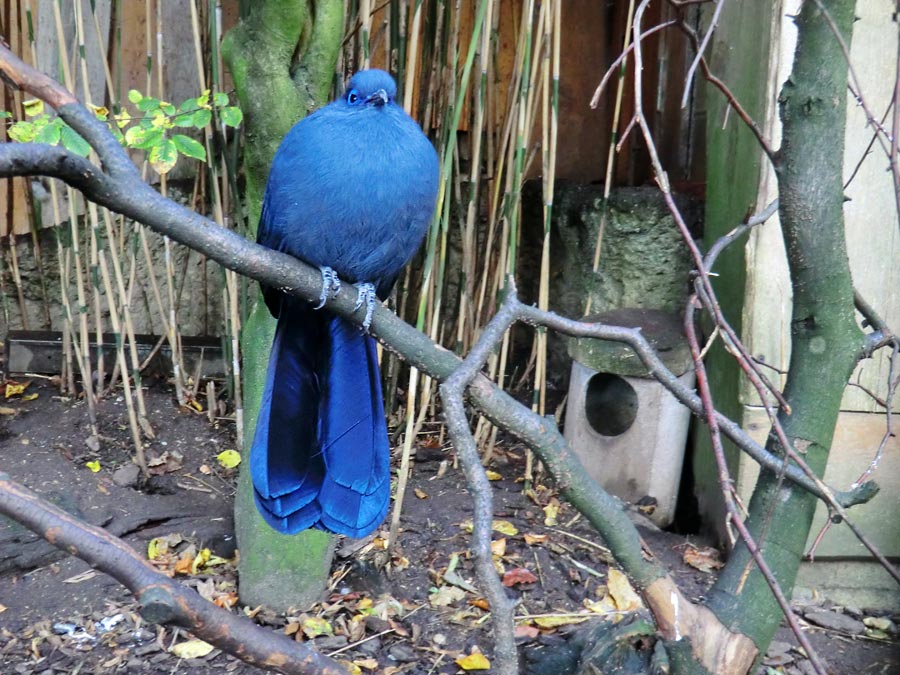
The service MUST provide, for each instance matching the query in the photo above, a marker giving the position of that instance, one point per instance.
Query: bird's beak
(379, 98)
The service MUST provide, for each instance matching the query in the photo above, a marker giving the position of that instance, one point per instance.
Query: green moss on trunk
(825, 339)
(276, 89)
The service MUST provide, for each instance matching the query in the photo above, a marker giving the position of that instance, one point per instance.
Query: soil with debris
(420, 617)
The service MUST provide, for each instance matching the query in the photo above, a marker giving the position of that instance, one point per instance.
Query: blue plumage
(353, 188)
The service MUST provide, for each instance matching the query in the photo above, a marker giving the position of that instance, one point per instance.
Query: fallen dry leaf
(554, 620)
(446, 596)
(421, 494)
(526, 631)
(551, 512)
(519, 575)
(315, 626)
(191, 649)
(473, 661)
(229, 458)
(622, 593)
(498, 546)
(15, 388)
(534, 539)
(705, 559)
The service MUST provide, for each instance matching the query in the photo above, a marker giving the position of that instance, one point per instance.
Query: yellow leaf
(29, 397)
(498, 546)
(493, 475)
(505, 527)
(315, 626)
(622, 593)
(200, 560)
(93, 466)
(559, 620)
(191, 649)
(351, 667)
(14, 388)
(551, 511)
(605, 605)
(156, 548)
(501, 526)
(229, 458)
(123, 118)
(99, 110)
(474, 661)
(33, 107)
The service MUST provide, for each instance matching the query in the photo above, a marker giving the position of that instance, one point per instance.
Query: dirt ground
(422, 616)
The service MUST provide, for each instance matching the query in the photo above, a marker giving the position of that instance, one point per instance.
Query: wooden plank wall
(120, 45)
(873, 233)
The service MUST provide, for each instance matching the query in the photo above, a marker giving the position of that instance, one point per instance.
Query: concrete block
(630, 434)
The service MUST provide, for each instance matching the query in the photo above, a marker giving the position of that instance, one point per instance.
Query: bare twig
(452, 391)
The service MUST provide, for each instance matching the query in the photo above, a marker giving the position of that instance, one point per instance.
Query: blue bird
(351, 190)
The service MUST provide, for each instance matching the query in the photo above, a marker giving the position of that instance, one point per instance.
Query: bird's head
(374, 88)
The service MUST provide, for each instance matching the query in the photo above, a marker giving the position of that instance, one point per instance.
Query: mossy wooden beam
(825, 338)
(281, 56)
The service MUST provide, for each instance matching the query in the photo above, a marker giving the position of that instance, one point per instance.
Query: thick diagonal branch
(162, 600)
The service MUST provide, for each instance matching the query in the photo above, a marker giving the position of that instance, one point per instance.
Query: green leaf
(220, 99)
(167, 108)
(147, 104)
(22, 132)
(143, 138)
(232, 116)
(163, 156)
(189, 147)
(73, 142)
(184, 120)
(5, 114)
(135, 96)
(50, 134)
(202, 118)
(202, 101)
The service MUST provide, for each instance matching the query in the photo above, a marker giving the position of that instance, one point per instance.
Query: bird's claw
(366, 295)
(331, 284)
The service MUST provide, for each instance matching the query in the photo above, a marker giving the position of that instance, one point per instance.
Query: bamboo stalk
(611, 155)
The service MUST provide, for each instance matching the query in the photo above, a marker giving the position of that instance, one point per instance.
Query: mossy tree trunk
(282, 56)
(825, 338)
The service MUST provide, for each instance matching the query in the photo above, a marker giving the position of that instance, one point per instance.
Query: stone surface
(661, 328)
(126, 475)
(835, 621)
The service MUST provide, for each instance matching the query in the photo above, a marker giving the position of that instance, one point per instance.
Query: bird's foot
(366, 295)
(331, 284)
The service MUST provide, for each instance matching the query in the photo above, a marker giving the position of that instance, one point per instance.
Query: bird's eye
(352, 97)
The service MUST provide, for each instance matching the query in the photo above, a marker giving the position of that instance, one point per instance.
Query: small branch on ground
(163, 601)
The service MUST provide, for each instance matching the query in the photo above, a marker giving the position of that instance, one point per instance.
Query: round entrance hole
(611, 404)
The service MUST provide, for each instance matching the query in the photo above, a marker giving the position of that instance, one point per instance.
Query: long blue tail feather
(320, 456)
